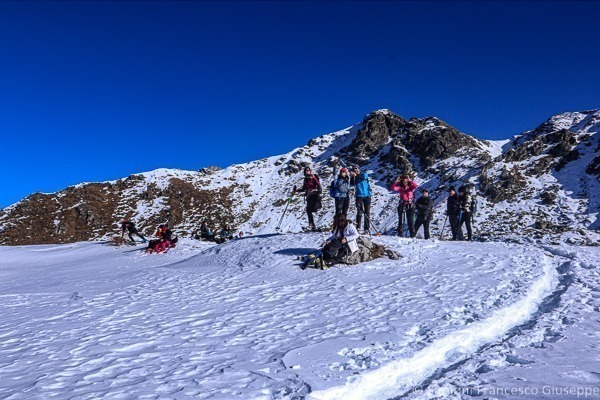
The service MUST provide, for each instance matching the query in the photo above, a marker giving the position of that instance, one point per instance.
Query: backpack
(473, 208)
(332, 188)
(313, 260)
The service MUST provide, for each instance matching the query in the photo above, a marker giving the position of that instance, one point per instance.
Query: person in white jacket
(346, 233)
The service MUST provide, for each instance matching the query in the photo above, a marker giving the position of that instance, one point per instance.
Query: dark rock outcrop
(378, 127)
(508, 186)
(594, 167)
(94, 210)
(432, 140)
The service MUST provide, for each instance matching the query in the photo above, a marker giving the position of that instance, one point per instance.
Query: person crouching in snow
(164, 237)
(343, 241)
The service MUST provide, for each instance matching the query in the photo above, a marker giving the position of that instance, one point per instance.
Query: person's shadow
(296, 251)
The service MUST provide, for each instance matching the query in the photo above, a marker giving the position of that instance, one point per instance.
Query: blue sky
(92, 91)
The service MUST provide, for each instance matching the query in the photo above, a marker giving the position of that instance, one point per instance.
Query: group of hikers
(164, 236)
(412, 214)
(226, 233)
(344, 241)
(163, 241)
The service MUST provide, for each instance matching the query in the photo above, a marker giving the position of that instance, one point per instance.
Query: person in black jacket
(453, 214)
(205, 232)
(129, 226)
(424, 213)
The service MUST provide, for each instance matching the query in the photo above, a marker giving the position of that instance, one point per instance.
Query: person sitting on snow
(226, 233)
(205, 232)
(163, 240)
(342, 242)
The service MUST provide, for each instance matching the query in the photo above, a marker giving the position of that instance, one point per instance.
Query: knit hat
(452, 189)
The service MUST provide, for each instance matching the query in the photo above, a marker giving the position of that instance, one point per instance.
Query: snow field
(241, 320)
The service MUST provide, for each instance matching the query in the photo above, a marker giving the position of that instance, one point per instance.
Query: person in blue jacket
(360, 180)
(341, 192)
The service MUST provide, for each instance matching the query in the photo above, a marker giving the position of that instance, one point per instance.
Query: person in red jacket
(312, 191)
(406, 208)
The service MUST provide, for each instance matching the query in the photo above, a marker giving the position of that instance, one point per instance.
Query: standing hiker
(405, 188)
(464, 203)
(360, 181)
(341, 192)
(129, 226)
(312, 192)
(453, 212)
(424, 213)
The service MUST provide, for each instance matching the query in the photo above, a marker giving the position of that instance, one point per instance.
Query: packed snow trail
(241, 320)
(399, 377)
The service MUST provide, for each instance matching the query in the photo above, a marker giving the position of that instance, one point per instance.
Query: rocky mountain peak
(377, 129)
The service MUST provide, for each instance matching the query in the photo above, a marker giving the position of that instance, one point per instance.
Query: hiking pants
(456, 232)
(363, 206)
(312, 199)
(409, 211)
(135, 232)
(341, 205)
(465, 218)
(423, 220)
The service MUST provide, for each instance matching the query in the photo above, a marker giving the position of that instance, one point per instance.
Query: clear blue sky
(92, 91)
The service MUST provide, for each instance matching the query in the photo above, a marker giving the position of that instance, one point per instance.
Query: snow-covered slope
(543, 184)
(241, 321)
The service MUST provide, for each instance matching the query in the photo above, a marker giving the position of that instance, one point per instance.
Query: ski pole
(443, 227)
(377, 233)
(289, 200)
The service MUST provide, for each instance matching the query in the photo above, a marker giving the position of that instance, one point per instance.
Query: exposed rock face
(594, 167)
(74, 215)
(549, 196)
(428, 140)
(95, 210)
(378, 128)
(506, 187)
(432, 140)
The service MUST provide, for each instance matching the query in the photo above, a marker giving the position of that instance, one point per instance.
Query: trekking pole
(289, 200)
(443, 227)
(377, 233)
(458, 227)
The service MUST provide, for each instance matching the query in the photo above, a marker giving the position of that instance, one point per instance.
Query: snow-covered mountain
(543, 184)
